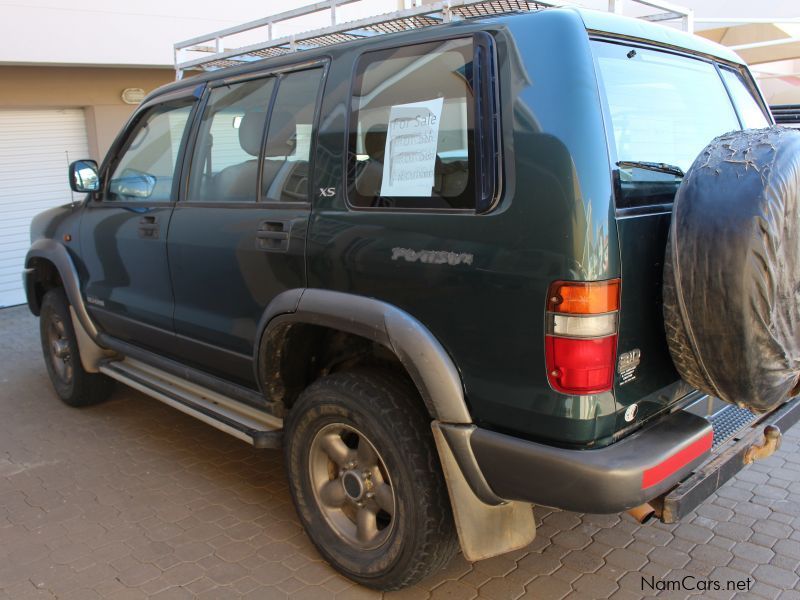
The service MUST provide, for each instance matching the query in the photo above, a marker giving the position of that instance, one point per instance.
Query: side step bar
(255, 427)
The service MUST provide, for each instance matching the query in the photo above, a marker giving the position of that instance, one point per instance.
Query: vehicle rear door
(126, 279)
(662, 109)
(237, 237)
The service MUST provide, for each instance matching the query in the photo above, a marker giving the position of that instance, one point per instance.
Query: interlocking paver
(131, 499)
(595, 585)
(674, 559)
(626, 559)
(547, 587)
(786, 580)
(753, 552)
(763, 590)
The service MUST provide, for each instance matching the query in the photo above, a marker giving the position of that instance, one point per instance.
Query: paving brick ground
(131, 499)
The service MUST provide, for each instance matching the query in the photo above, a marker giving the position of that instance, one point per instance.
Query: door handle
(273, 236)
(148, 227)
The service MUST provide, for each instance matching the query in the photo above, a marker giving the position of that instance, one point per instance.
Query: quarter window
(411, 134)
(145, 170)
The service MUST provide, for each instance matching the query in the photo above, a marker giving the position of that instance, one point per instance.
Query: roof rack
(229, 47)
(211, 52)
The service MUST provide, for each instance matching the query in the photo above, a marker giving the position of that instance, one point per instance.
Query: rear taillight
(581, 338)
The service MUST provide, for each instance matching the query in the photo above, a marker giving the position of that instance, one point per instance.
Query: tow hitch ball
(768, 446)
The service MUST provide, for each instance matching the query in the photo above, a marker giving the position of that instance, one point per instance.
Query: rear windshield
(664, 109)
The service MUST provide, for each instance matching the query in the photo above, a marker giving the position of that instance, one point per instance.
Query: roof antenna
(71, 193)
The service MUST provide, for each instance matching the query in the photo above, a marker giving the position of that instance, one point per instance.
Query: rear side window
(284, 173)
(251, 130)
(225, 162)
(145, 169)
(411, 139)
(749, 111)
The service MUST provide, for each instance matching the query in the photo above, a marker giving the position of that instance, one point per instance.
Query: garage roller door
(34, 145)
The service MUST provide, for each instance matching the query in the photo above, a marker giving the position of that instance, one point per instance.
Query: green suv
(428, 265)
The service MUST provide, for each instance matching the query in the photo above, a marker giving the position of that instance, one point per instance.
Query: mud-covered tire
(369, 404)
(731, 285)
(74, 385)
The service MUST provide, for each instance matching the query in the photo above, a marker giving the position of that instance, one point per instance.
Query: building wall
(97, 90)
(141, 33)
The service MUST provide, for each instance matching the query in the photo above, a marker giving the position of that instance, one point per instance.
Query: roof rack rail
(221, 48)
(211, 52)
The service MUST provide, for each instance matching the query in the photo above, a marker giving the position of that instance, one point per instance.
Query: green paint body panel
(555, 220)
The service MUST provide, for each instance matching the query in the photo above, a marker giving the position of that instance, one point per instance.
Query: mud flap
(484, 531)
(91, 353)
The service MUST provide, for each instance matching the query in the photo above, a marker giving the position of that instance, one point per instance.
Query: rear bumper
(630, 472)
(691, 492)
(671, 459)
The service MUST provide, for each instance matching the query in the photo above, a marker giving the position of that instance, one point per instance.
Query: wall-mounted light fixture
(133, 95)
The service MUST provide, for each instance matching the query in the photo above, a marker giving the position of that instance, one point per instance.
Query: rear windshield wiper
(652, 166)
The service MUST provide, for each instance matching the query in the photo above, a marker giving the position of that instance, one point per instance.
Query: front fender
(58, 256)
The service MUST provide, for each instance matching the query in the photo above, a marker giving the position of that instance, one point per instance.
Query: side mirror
(132, 184)
(83, 177)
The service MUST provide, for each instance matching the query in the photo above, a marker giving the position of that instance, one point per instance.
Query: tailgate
(645, 373)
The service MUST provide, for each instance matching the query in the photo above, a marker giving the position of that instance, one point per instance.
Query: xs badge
(626, 367)
(328, 192)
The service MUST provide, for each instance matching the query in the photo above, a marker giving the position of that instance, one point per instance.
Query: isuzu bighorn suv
(431, 267)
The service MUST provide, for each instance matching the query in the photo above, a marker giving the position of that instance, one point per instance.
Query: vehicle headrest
(250, 131)
(375, 142)
(281, 138)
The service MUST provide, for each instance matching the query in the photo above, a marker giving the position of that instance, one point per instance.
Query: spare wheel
(732, 269)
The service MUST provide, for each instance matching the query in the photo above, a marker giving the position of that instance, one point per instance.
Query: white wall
(142, 32)
(133, 32)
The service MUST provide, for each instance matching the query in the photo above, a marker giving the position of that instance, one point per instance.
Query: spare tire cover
(732, 269)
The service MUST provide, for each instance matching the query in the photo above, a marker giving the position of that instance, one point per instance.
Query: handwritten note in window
(410, 155)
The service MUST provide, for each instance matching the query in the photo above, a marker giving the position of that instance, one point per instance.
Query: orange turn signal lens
(583, 297)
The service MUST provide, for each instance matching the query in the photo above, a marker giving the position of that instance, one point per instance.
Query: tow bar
(754, 443)
(768, 446)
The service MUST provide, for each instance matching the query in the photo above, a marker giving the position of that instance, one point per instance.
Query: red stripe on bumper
(657, 474)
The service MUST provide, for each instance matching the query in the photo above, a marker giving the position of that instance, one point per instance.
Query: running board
(247, 423)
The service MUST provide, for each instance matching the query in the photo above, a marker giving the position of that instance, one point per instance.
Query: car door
(124, 227)
(237, 236)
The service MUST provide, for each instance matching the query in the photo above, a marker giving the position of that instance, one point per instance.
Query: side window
(749, 110)
(284, 175)
(145, 169)
(225, 159)
(411, 133)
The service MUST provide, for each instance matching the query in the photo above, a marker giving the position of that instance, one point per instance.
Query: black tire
(420, 537)
(72, 383)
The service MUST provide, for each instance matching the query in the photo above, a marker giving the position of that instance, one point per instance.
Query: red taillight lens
(581, 366)
(581, 339)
